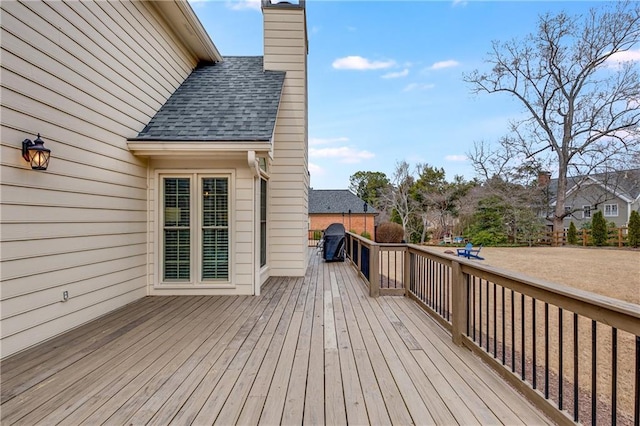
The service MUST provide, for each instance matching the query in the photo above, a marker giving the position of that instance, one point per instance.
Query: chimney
(544, 178)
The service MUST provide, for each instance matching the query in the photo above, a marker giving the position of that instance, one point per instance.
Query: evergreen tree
(572, 234)
(599, 229)
(634, 229)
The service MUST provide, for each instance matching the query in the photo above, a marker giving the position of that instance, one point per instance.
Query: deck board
(313, 350)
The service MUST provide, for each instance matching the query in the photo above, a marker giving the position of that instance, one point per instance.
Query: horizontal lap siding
(87, 76)
(285, 49)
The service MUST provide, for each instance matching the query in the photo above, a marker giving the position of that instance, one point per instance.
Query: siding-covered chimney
(285, 49)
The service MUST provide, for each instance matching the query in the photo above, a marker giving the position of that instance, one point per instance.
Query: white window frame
(610, 207)
(195, 274)
(584, 211)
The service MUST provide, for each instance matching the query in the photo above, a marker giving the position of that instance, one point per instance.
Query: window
(263, 222)
(567, 209)
(195, 216)
(611, 210)
(586, 212)
(177, 229)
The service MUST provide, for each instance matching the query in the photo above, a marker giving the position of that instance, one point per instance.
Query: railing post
(619, 237)
(374, 270)
(406, 271)
(459, 298)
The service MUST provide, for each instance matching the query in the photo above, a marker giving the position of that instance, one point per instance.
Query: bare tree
(397, 197)
(581, 98)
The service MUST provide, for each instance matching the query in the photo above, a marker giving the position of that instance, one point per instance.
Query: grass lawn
(610, 272)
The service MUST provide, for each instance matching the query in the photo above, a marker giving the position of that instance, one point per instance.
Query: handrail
(481, 304)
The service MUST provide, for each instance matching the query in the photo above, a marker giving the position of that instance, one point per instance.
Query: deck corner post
(406, 272)
(374, 271)
(459, 296)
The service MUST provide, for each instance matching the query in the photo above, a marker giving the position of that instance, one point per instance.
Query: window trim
(604, 210)
(195, 178)
(584, 216)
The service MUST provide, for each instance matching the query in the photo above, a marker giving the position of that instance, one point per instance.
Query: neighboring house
(616, 194)
(173, 171)
(327, 206)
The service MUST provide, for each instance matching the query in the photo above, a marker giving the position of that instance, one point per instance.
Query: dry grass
(610, 272)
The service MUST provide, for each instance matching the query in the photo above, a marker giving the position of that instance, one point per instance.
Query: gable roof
(233, 100)
(336, 201)
(624, 183)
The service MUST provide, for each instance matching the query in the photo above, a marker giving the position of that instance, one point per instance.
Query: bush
(572, 234)
(317, 235)
(599, 231)
(488, 238)
(389, 232)
(366, 235)
(634, 229)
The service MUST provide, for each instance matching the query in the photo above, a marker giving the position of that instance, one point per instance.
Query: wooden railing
(575, 354)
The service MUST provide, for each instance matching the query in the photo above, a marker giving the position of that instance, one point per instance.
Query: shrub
(634, 229)
(389, 232)
(572, 234)
(317, 235)
(366, 235)
(488, 238)
(599, 231)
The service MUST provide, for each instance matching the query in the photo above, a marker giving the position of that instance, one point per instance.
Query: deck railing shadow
(575, 354)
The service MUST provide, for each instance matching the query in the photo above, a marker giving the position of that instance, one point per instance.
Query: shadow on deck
(309, 350)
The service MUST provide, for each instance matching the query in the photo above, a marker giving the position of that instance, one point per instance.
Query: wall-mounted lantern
(35, 153)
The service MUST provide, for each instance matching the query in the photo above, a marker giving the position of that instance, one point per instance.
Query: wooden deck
(313, 350)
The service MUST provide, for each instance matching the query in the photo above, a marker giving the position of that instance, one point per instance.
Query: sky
(385, 77)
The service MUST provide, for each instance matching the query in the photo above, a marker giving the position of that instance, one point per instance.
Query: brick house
(327, 206)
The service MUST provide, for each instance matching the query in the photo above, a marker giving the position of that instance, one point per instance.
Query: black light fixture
(35, 153)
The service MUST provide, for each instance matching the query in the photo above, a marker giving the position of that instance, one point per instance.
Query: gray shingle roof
(233, 100)
(624, 182)
(336, 201)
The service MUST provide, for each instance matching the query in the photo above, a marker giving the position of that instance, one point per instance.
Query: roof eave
(183, 20)
(196, 148)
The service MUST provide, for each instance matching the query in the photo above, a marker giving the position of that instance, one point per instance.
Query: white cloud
(360, 63)
(444, 64)
(456, 158)
(459, 3)
(418, 86)
(327, 141)
(621, 57)
(352, 29)
(398, 74)
(344, 154)
(244, 4)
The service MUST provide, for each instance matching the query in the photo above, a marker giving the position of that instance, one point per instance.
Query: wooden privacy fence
(615, 237)
(575, 354)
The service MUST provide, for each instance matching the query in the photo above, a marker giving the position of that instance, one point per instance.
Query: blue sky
(385, 77)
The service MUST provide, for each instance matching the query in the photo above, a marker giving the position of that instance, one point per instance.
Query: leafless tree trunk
(398, 195)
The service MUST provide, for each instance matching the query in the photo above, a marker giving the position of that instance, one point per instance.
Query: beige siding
(242, 225)
(87, 76)
(285, 48)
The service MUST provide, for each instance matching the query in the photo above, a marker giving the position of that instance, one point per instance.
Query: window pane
(177, 233)
(215, 228)
(215, 202)
(176, 202)
(263, 222)
(215, 254)
(177, 254)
